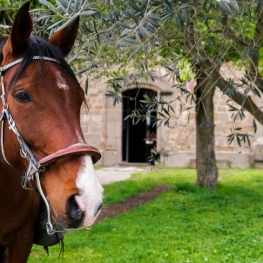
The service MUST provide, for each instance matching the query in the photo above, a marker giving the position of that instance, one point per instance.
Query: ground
(132, 202)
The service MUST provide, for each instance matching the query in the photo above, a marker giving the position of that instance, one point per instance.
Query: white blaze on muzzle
(90, 191)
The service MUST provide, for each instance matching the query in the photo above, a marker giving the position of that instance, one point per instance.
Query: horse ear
(65, 38)
(20, 32)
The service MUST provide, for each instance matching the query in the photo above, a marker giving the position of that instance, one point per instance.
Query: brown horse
(42, 145)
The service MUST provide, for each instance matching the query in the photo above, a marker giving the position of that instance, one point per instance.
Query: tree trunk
(207, 172)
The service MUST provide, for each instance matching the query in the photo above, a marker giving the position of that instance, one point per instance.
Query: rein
(36, 167)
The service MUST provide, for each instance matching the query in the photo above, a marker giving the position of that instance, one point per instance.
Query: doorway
(138, 139)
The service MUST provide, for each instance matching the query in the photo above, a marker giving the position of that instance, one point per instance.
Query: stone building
(120, 142)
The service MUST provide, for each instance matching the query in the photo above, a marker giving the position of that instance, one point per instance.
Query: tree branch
(244, 101)
(254, 54)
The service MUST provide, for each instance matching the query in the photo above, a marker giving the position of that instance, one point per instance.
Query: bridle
(36, 167)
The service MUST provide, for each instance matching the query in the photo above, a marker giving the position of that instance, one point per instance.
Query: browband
(10, 65)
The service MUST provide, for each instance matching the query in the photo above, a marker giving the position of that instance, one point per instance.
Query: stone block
(224, 116)
(219, 163)
(110, 157)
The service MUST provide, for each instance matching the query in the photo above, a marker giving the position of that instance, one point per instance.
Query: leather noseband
(73, 150)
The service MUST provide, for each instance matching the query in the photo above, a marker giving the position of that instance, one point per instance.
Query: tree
(205, 34)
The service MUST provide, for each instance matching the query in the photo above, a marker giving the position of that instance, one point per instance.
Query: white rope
(2, 145)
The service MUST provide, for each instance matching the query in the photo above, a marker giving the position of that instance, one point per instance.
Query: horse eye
(22, 97)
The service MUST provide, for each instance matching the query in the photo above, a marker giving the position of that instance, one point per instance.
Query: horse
(47, 179)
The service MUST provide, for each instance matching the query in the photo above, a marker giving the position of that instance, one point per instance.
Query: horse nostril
(74, 212)
(97, 209)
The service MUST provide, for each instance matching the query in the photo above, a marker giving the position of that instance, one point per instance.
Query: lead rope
(34, 167)
(2, 143)
(49, 226)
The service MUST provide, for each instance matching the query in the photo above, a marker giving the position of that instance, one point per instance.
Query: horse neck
(15, 199)
(10, 181)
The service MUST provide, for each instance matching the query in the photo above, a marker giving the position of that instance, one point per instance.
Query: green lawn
(186, 224)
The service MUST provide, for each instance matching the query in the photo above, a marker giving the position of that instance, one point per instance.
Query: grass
(119, 191)
(186, 224)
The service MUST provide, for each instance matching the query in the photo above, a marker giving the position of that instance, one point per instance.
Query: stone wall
(102, 127)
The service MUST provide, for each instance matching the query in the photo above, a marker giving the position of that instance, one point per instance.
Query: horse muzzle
(76, 212)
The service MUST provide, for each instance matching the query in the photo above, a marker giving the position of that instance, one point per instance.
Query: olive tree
(141, 33)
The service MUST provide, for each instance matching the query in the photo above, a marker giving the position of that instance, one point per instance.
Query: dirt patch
(132, 202)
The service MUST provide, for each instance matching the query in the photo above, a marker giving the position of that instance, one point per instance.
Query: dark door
(139, 139)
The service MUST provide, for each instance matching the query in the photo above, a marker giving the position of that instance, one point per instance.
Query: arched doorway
(139, 139)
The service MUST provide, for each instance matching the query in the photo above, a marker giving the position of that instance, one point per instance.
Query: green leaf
(234, 4)
(84, 58)
(124, 43)
(60, 5)
(135, 51)
(145, 31)
(47, 4)
(134, 6)
(55, 24)
(131, 40)
(255, 126)
(166, 123)
(167, 16)
(86, 29)
(134, 17)
(224, 6)
(81, 71)
(248, 141)
(76, 5)
(123, 24)
(185, 5)
(157, 3)
(88, 13)
(126, 14)
(69, 22)
(138, 37)
(86, 85)
(256, 92)
(153, 22)
(238, 141)
(166, 111)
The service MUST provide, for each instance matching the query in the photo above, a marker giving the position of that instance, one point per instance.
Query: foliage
(186, 224)
(8, 9)
(179, 35)
(149, 31)
(190, 39)
(6, 13)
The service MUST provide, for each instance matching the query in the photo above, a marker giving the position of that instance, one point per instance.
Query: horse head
(43, 100)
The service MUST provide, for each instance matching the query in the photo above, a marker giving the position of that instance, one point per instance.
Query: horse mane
(38, 46)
